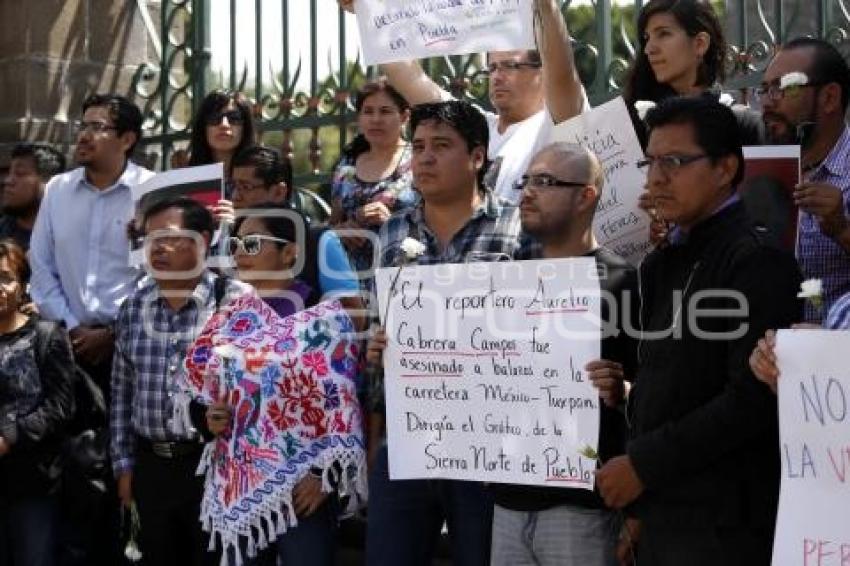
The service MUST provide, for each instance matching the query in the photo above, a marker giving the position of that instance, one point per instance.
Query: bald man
(565, 526)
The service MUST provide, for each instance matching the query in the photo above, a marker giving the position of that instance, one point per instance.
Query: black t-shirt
(619, 279)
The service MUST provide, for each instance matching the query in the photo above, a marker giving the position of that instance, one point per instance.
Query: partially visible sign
(397, 30)
(619, 224)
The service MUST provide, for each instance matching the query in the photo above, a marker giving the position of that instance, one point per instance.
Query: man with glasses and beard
(804, 96)
(32, 166)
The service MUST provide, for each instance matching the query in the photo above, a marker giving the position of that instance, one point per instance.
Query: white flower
(132, 552)
(812, 291)
(412, 248)
(793, 79)
(810, 288)
(643, 107)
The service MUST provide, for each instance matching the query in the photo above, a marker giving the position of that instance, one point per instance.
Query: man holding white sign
(530, 90)
(457, 220)
(572, 527)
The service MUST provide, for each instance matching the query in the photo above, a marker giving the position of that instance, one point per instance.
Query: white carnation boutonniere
(131, 550)
(796, 78)
(410, 249)
(643, 107)
(812, 291)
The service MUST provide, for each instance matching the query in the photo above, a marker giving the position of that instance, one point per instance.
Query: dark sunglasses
(233, 117)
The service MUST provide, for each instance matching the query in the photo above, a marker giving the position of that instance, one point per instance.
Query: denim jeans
(406, 517)
(29, 531)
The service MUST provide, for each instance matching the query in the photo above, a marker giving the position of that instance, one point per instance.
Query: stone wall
(54, 53)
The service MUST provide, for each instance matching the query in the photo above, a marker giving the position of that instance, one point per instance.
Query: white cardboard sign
(606, 130)
(813, 524)
(484, 371)
(397, 30)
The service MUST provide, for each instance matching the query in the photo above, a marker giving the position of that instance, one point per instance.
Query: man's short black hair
(461, 116)
(48, 160)
(714, 124)
(267, 163)
(196, 217)
(126, 115)
(828, 65)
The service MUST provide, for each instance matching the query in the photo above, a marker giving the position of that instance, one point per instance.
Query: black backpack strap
(220, 289)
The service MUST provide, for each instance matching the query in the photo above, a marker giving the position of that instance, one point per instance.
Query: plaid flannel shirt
(490, 234)
(819, 255)
(151, 340)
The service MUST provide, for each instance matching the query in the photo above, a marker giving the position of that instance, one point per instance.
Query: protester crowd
(91, 348)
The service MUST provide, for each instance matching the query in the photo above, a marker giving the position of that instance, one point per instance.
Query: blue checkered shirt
(838, 317)
(151, 340)
(491, 234)
(819, 255)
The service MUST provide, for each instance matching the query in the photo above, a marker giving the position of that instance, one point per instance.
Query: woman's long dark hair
(359, 144)
(694, 16)
(216, 101)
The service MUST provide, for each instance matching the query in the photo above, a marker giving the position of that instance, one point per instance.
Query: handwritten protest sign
(620, 224)
(484, 371)
(204, 184)
(813, 525)
(396, 30)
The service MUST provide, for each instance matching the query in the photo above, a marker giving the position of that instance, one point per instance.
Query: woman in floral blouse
(373, 178)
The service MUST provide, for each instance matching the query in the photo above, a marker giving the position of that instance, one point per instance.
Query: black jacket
(36, 402)
(704, 437)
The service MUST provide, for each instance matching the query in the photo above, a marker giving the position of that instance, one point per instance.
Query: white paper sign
(484, 371)
(396, 30)
(813, 525)
(620, 224)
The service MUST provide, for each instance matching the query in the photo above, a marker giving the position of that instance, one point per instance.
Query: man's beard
(801, 132)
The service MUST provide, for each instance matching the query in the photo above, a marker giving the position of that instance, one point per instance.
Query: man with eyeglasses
(154, 456)
(701, 471)
(31, 168)
(530, 91)
(804, 96)
(565, 526)
(79, 257)
(261, 176)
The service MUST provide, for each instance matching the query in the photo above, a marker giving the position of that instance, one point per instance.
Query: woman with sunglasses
(222, 127)
(373, 178)
(36, 403)
(267, 250)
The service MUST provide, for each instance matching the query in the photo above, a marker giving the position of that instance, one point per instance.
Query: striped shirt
(151, 340)
(838, 317)
(819, 255)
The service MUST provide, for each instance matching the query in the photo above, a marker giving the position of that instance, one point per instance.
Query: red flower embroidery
(316, 361)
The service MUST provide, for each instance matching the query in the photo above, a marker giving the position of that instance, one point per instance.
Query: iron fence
(296, 61)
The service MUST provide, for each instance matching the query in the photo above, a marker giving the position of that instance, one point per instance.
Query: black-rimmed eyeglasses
(544, 182)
